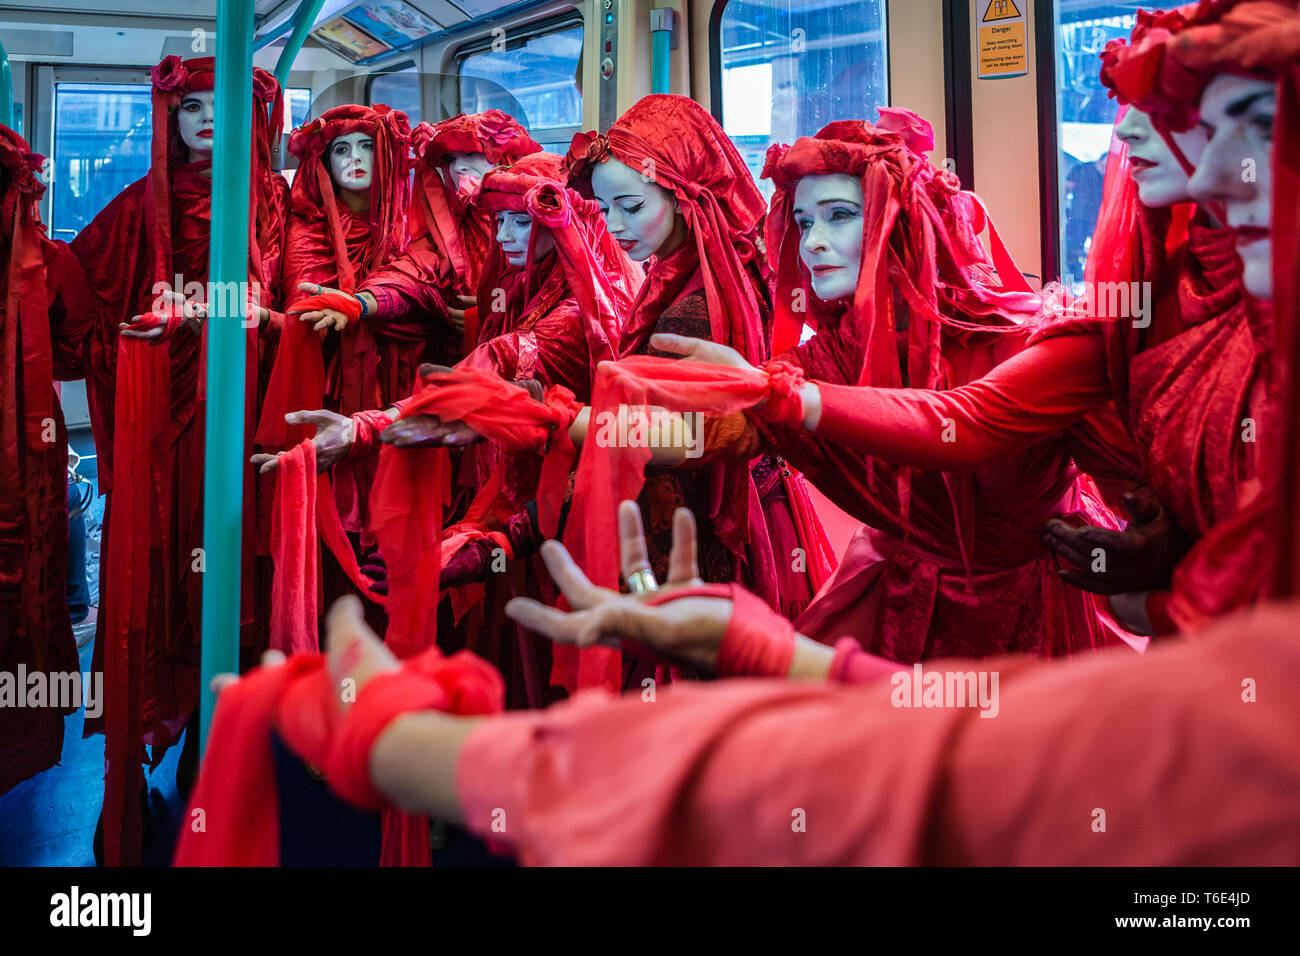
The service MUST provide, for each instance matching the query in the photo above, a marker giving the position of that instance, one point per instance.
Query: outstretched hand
(699, 350)
(689, 629)
(322, 319)
(428, 431)
(333, 439)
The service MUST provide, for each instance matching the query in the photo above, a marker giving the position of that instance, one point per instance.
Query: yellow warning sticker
(1001, 10)
(1003, 47)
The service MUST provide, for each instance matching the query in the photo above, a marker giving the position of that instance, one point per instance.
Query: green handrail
(663, 21)
(6, 90)
(225, 461)
(303, 20)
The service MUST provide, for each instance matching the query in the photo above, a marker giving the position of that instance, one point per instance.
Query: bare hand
(1139, 558)
(221, 681)
(333, 439)
(321, 319)
(195, 313)
(698, 350)
(688, 629)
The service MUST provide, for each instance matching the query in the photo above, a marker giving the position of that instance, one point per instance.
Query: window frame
(542, 27)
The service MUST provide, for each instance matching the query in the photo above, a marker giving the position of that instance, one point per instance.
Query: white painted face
(828, 213)
(513, 232)
(640, 215)
(1159, 177)
(352, 161)
(460, 165)
(195, 119)
(1237, 117)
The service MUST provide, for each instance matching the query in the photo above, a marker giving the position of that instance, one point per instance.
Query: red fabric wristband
(784, 402)
(758, 641)
(343, 302)
(367, 426)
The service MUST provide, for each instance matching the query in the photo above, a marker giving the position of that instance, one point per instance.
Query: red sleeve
(553, 351)
(768, 772)
(409, 301)
(1027, 398)
(72, 312)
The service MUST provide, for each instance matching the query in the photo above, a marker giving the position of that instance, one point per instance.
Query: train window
(1086, 117)
(102, 134)
(400, 90)
(298, 101)
(536, 75)
(789, 67)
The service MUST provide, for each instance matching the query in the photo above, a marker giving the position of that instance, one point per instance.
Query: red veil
(328, 245)
(148, 639)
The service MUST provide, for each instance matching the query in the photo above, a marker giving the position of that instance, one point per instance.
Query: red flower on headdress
(498, 127)
(589, 148)
(170, 74)
(468, 189)
(265, 86)
(916, 133)
(421, 137)
(773, 159)
(548, 203)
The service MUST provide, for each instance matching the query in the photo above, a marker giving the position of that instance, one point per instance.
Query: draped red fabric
(614, 470)
(147, 408)
(451, 241)
(1190, 388)
(326, 243)
(298, 699)
(942, 556)
(411, 487)
(675, 143)
(45, 313)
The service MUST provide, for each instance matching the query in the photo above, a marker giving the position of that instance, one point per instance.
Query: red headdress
(594, 268)
(313, 189)
(173, 78)
(25, 348)
(461, 234)
(675, 143)
(920, 236)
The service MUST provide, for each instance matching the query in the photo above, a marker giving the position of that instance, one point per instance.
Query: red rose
(170, 74)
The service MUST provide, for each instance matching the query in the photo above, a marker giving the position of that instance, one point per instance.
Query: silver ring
(639, 582)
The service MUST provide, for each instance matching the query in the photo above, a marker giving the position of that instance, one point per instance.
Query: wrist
(812, 405)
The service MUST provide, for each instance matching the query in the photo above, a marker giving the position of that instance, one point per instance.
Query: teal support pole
(6, 90)
(225, 461)
(303, 21)
(662, 23)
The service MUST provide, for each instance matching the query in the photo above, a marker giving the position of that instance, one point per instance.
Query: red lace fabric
(147, 411)
(947, 563)
(45, 313)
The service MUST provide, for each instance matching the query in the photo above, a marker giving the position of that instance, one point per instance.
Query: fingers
(266, 463)
(428, 368)
(1088, 582)
(273, 658)
(631, 540)
(677, 344)
(583, 628)
(221, 682)
(1141, 508)
(312, 416)
(579, 591)
(683, 566)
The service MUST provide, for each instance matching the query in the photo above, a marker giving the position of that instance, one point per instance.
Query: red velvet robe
(1189, 387)
(35, 630)
(115, 252)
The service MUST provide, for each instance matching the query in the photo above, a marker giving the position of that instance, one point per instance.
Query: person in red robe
(427, 297)
(1191, 380)
(146, 258)
(881, 251)
(348, 219)
(886, 772)
(45, 314)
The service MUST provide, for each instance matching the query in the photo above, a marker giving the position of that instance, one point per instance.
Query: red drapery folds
(624, 407)
(674, 142)
(299, 700)
(147, 407)
(329, 245)
(45, 313)
(1191, 394)
(412, 486)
